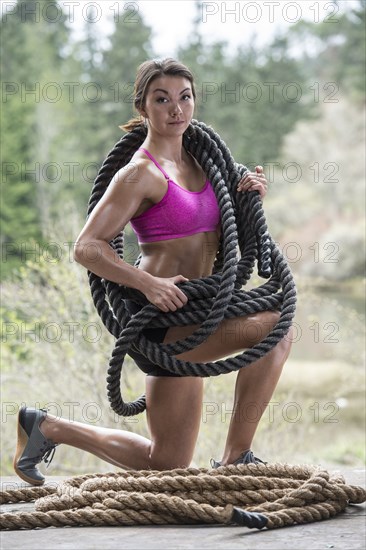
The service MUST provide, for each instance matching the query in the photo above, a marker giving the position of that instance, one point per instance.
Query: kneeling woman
(171, 205)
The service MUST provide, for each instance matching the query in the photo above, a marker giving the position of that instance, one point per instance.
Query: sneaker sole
(22, 440)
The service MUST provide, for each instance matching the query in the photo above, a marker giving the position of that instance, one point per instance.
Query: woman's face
(169, 105)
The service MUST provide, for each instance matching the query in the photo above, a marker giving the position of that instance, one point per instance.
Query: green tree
(108, 67)
(251, 97)
(32, 56)
(334, 50)
(130, 45)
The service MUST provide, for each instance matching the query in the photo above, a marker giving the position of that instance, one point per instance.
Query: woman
(161, 192)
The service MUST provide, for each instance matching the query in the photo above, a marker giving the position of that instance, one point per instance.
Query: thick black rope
(245, 240)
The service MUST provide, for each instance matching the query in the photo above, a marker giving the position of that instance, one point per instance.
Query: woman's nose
(176, 109)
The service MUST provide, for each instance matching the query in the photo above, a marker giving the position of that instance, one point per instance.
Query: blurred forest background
(296, 106)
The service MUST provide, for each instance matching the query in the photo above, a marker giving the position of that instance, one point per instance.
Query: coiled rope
(253, 495)
(245, 240)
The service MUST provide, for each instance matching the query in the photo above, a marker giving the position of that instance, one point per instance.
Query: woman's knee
(269, 319)
(169, 459)
(282, 349)
(258, 326)
(287, 341)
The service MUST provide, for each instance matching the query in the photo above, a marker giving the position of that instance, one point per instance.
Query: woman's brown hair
(146, 73)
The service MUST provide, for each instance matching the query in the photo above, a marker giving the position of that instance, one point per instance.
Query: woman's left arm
(254, 181)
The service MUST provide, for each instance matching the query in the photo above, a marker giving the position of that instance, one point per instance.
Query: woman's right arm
(121, 200)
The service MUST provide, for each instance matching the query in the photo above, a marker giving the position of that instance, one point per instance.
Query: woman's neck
(168, 149)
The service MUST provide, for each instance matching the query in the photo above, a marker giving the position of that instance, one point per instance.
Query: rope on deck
(252, 495)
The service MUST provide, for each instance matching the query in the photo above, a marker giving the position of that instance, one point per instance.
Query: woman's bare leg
(254, 388)
(255, 383)
(173, 410)
(174, 405)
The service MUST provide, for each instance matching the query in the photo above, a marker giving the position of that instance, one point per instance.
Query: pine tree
(35, 39)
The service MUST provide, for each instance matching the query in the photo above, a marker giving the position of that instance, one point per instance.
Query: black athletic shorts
(154, 335)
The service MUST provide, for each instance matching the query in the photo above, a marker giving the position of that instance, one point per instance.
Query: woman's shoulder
(134, 171)
(138, 177)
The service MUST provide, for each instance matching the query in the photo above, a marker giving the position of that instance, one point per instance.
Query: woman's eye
(165, 99)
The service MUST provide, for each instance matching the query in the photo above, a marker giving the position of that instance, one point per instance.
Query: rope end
(265, 272)
(253, 520)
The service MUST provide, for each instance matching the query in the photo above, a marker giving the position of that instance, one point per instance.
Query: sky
(171, 20)
(232, 21)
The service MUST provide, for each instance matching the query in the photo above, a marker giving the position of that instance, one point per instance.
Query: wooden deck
(348, 530)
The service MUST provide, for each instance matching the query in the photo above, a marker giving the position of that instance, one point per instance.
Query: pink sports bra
(179, 213)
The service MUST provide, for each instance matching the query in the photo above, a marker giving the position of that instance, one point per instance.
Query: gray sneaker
(247, 457)
(32, 446)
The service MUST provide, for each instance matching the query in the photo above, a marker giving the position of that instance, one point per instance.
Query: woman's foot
(32, 446)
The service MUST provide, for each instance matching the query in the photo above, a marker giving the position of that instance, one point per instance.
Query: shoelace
(50, 453)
